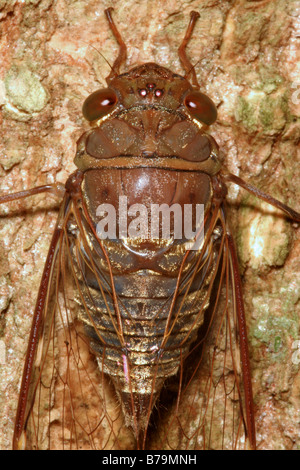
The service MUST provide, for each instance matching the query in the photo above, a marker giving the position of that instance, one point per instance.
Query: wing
(65, 401)
(213, 408)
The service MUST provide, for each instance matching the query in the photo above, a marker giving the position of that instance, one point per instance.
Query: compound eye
(99, 103)
(201, 107)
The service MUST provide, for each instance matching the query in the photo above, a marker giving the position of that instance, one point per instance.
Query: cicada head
(151, 86)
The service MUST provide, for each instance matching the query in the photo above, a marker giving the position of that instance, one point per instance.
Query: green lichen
(278, 245)
(277, 343)
(272, 330)
(245, 113)
(269, 79)
(273, 112)
(24, 90)
(260, 111)
(248, 25)
(263, 77)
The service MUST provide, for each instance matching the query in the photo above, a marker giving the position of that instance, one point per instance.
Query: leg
(261, 195)
(56, 189)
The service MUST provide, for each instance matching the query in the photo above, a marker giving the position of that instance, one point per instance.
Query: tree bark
(246, 60)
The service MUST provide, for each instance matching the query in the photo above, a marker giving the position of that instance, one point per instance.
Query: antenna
(122, 46)
(185, 61)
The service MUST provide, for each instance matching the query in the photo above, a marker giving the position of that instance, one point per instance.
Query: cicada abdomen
(139, 337)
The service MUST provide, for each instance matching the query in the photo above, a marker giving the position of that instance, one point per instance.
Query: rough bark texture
(246, 56)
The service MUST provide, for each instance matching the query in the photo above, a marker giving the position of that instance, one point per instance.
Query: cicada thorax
(149, 291)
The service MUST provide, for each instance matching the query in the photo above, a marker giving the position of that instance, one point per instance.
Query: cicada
(139, 338)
